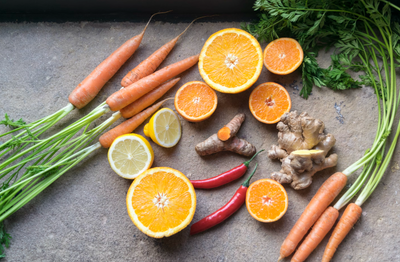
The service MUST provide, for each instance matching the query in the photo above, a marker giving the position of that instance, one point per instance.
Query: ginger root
(214, 144)
(298, 134)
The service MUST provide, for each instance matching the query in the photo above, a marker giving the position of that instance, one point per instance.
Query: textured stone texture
(82, 216)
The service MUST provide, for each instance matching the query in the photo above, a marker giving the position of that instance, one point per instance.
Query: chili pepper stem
(248, 161)
(247, 182)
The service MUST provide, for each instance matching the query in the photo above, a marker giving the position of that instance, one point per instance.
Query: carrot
(149, 65)
(131, 93)
(324, 223)
(92, 84)
(128, 126)
(347, 221)
(324, 196)
(148, 99)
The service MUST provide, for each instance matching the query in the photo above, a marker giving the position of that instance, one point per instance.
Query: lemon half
(130, 155)
(164, 128)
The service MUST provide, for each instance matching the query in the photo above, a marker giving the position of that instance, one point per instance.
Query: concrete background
(82, 216)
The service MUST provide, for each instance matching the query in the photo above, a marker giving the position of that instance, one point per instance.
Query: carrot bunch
(55, 155)
(375, 40)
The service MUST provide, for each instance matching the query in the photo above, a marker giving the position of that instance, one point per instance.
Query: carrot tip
(280, 258)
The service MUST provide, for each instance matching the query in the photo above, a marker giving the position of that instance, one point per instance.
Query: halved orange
(195, 101)
(268, 102)
(283, 55)
(161, 202)
(231, 60)
(266, 200)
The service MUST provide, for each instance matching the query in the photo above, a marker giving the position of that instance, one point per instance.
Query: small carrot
(347, 221)
(149, 65)
(148, 99)
(128, 126)
(324, 223)
(131, 93)
(321, 200)
(92, 84)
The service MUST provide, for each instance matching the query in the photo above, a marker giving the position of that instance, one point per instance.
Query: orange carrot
(324, 223)
(92, 84)
(128, 126)
(149, 65)
(347, 221)
(125, 96)
(324, 196)
(148, 99)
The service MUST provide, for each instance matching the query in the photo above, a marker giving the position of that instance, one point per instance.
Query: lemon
(130, 155)
(164, 128)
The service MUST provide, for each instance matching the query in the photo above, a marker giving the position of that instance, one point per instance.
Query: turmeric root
(297, 135)
(231, 128)
(237, 145)
(226, 140)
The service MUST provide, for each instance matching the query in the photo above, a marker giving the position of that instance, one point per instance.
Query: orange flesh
(231, 60)
(196, 100)
(269, 102)
(283, 56)
(267, 201)
(154, 187)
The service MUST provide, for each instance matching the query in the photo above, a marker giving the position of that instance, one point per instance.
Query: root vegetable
(299, 131)
(324, 223)
(321, 200)
(231, 128)
(237, 145)
(345, 224)
(215, 144)
(297, 135)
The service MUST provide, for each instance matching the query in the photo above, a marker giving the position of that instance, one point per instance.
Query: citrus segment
(282, 56)
(195, 101)
(231, 60)
(130, 155)
(161, 202)
(266, 200)
(268, 102)
(164, 128)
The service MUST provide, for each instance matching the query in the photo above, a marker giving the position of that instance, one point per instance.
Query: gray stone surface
(82, 216)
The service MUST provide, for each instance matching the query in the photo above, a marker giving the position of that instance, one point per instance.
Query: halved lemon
(231, 60)
(161, 202)
(130, 155)
(164, 128)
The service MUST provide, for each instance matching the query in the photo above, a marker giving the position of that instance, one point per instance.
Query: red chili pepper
(224, 212)
(225, 177)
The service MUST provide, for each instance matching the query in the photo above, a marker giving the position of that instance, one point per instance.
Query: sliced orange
(231, 60)
(161, 202)
(266, 200)
(195, 101)
(268, 102)
(283, 55)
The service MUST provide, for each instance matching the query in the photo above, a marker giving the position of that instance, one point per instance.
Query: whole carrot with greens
(367, 40)
(224, 212)
(150, 64)
(148, 99)
(131, 93)
(80, 96)
(224, 178)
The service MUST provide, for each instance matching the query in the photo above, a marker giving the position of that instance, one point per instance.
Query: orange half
(268, 102)
(282, 56)
(266, 200)
(161, 202)
(195, 101)
(231, 60)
